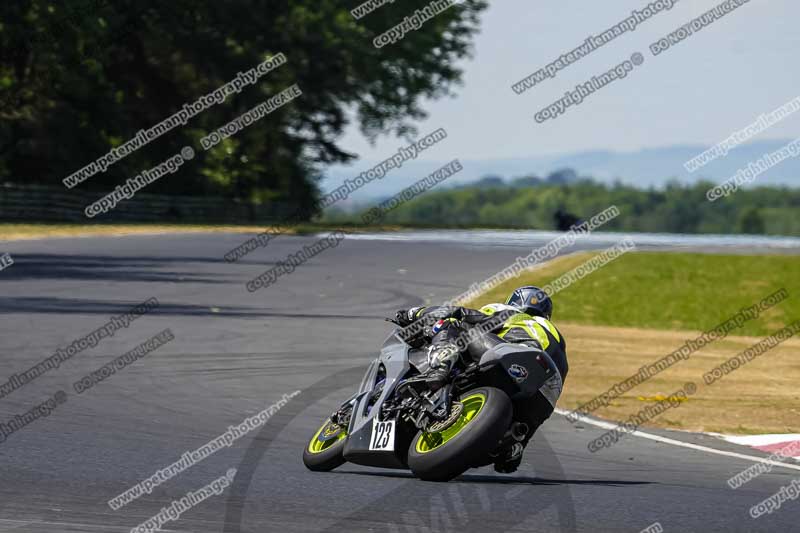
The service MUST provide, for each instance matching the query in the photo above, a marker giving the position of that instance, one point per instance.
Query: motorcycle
(431, 409)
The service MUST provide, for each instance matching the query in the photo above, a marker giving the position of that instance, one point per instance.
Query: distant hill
(652, 167)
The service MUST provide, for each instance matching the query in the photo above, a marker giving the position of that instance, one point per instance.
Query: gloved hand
(401, 317)
(404, 317)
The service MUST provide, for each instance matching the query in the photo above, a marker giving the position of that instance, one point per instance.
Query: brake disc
(331, 431)
(455, 411)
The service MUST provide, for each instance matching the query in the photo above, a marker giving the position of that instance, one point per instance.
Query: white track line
(658, 438)
(761, 440)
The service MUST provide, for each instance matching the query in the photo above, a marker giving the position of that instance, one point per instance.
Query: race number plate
(382, 436)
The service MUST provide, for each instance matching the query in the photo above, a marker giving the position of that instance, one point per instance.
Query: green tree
(676, 209)
(750, 221)
(78, 77)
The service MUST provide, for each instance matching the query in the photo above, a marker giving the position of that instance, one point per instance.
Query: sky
(697, 92)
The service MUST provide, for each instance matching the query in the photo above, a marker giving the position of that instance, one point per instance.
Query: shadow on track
(68, 306)
(455, 506)
(507, 480)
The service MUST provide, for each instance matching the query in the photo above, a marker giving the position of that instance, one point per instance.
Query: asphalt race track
(236, 353)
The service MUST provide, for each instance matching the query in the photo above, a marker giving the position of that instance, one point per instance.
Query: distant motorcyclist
(524, 319)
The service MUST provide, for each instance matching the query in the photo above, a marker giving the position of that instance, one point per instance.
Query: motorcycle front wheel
(324, 451)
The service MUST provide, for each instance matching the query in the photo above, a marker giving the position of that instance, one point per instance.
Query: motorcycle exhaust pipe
(519, 431)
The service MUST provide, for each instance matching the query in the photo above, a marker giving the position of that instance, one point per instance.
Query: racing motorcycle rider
(523, 319)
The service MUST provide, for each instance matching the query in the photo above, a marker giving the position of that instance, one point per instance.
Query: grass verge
(12, 232)
(644, 305)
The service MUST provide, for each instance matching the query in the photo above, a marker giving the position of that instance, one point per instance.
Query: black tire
(326, 459)
(470, 445)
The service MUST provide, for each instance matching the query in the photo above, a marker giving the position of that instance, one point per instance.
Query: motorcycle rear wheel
(447, 454)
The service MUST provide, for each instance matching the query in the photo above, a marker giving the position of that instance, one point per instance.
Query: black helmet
(532, 300)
